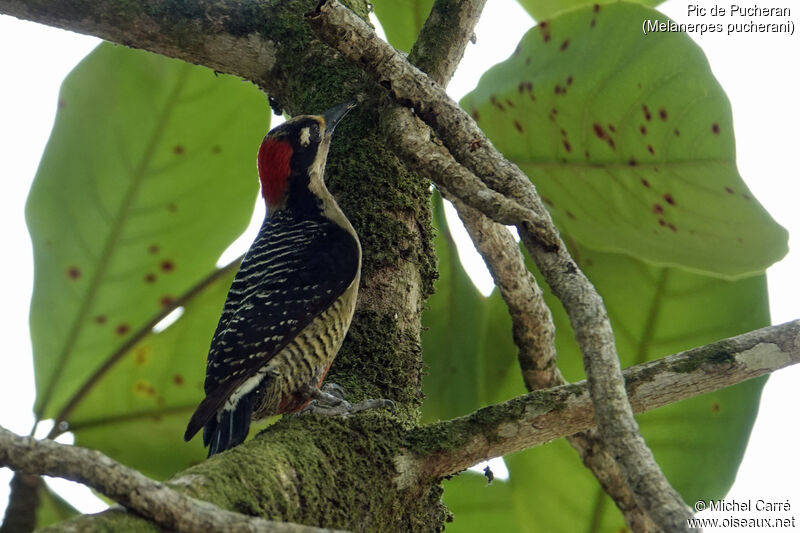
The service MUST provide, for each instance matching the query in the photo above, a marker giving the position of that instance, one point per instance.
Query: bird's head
(291, 158)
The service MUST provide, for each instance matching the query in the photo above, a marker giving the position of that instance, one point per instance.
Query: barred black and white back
(290, 276)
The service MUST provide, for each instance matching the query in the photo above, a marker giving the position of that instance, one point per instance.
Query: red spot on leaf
(494, 102)
(518, 126)
(658, 209)
(100, 319)
(632, 162)
(177, 149)
(596, 8)
(172, 207)
(715, 407)
(672, 227)
(122, 329)
(548, 201)
(475, 114)
(62, 103)
(141, 356)
(216, 149)
(669, 199)
(143, 387)
(611, 128)
(645, 183)
(662, 114)
(166, 301)
(509, 102)
(677, 133)
(521, 87)
(646, 111)
(150, 277)
(728, 190)
(167, 265)
(153, 249)
(564, 45)
(527, 60)
(715, 128)
(599, 131)
(73, 272)
(177, 379)
(746, 196)
(662, 222)
(642, 130)
(567, 146)
(651, 149)
(570, 215)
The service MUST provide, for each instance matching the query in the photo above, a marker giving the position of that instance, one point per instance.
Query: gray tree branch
(534, 335)
(338, 27)
(545, 415)
(151, 499)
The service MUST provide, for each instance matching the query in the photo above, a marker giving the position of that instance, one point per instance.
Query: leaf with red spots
(118, 220)
(152, 391)
(546, 9)
(630, 95)
(655, 311)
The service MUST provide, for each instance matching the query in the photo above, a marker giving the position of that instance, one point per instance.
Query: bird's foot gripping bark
(330, 402)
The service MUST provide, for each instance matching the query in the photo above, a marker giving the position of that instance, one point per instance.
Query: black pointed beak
(335, 114)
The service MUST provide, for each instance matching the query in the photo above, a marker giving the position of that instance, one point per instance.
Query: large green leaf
(467, 339)
(402, 19)
(655, 311)
(545, 9)
(629, 139)
(146, 179)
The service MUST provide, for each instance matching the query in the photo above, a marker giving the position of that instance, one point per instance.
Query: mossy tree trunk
(335, 472)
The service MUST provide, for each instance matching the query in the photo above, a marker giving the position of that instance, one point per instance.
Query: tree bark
(335, 473)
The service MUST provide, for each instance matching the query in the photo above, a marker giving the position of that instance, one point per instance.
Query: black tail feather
(230, 427)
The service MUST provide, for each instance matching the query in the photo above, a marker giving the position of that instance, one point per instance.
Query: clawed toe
(330, 402)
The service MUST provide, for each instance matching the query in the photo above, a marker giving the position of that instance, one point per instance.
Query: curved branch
(542, 416)
(151, 499)
(220, 34)
(534, 336)
(341, 29)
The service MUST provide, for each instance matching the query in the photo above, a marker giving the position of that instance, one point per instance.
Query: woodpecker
(293, 298)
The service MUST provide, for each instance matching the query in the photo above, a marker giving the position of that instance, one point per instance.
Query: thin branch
(151, 499)
(341, 29)
(542, 416)
(444, 37)
(351, 36)
(203, 33)
(410, 139)
(438, 49)
(534, 336)
(133, 340)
